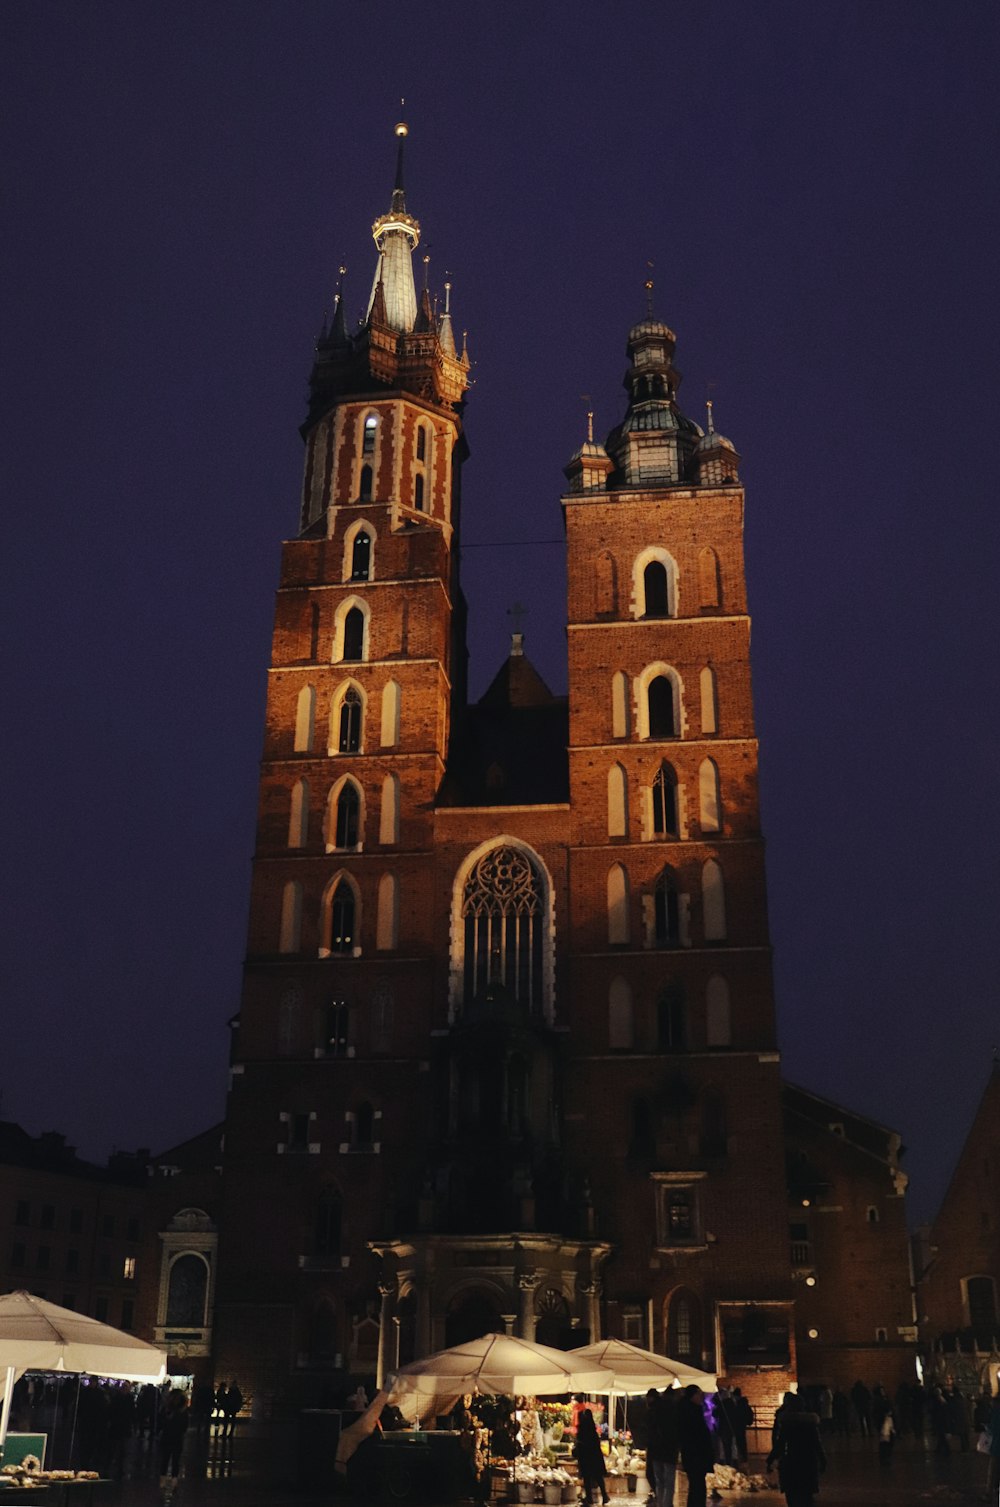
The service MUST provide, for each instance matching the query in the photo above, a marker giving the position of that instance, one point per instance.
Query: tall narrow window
(305, 716)
(666, 911)
(364, 1125)
(708, 578)
(334, 1028)
(709, 705)
(348, 816)
(329, 1217)
(342, 918)
(619, 705)
(361, 557)
(665, 802)
(503, 920)
(349, 732)
(421, 442)
(671, 1018)
(388, 821)
(709, 802)
(418, 492)
(298, 815)
(713, 901)
(617, 802)
(387, 918)
(621, 1026)
(657, 600)
(618, 908)
(354, 634)
(291, 917)
(390, 714)
(718, 1013)
(660, 703)
(371, 428)
(365, 489)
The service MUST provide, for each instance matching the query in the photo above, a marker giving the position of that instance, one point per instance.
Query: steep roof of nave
(510, 748)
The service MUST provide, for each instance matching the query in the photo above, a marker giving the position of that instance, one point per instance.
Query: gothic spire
(396, 235)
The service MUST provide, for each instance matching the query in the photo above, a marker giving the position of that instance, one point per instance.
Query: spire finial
(710, 423)
(447, 295)
(401, 132)
(427, 264)
(590, 418)
(648, 285)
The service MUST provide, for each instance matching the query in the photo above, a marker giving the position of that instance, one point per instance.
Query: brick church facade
(506, 1056)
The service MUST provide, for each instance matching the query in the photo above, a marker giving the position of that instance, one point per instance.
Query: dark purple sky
(817, 188)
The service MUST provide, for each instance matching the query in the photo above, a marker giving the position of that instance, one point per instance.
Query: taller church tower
(506, 1052)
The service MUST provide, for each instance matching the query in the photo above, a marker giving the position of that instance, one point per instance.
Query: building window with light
(128, 1269)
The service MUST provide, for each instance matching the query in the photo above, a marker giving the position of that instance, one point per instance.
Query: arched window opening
(354, 634)
(187, 1292)
(665, 802)
(660, 703)
(387, 917)
(421, 442)
(371, 429)
(684, 1328)
(349, 734)
(290, 939)
(617, 802)
(348, 818)
(503, 918)
(361, 557)
(388, 824)
(671, 1018)
(718, 1013)
(365, 489)
(328, 1223)
(305, 716)
(618, 907)
(619, 705)
(709, 705)
(342, 919)
(418, 492)
(708, 578)
(655, 590)
(621, 1024)
(336, 1023)
(391, 697)
(709, 800)
(298, 815)
(666, 911)
(713, 901)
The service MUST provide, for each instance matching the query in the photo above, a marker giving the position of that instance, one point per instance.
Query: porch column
(383, 1364)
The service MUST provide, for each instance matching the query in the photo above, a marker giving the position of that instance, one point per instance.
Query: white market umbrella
(634, 1370)
(495, 1363)
(39, 1336)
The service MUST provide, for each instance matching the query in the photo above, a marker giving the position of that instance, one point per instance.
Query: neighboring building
(131, 1243)
(958, 1258)
(854, 1309)
(506, 1055)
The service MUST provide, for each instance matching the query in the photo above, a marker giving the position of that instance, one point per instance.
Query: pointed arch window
(621, 1025)
(709, 704)
(619, 930)
(347, 825)
(391, 697)
(709, 798)
(290, 939)
(660, 702)
(503, 919)
(388, 824)
(361, 557)
(365, 489)
(665, 802)
(349, 733)
(298, 815)
(666, 911)
(334, 1029)
(342, 918)
(305, 716)
(617, 802)
(387, 917)
(671, 1018)
(713, 901)
(418, 492)
(619, 705)
(354, 634)
(421, 442)
(656, 592)
(708, 577)
(370, 431)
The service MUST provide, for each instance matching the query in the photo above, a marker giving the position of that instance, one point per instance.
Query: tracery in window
(349, 731)
(343, 908)
(503, 918)
(347, 821)
(361, 556)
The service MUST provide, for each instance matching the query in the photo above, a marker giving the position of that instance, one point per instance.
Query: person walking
(695, 1441)
(589, 1460)
(662, 1444)
(798, 1453)
(173, 1427)
(886, 1437)
(743, 1419)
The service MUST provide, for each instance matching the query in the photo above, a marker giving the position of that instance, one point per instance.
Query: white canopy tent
(635, 1371)
(40, 1336)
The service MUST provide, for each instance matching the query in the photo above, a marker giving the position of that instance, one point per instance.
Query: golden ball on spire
(402, 129)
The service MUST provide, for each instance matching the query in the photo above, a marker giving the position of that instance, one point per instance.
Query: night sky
(816, 187)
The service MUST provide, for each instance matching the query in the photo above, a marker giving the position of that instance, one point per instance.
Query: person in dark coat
(798, 1453)
(742, 1421)
(173, 1427)
(696, 1446)
(662, 1443)
(589, 1460)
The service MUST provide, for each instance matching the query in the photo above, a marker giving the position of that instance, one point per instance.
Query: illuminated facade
(506, 1055)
